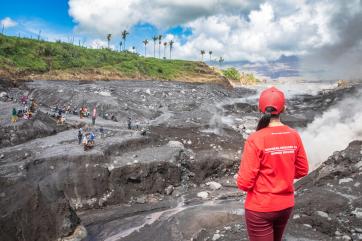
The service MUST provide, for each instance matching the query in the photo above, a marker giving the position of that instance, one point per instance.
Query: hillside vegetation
(28, 59)
(237, 78)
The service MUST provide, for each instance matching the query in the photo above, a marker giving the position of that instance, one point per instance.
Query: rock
(169, 190)
(79, 234)
(357, 212)
(189, 142)
(203, 195)
(141, 200)
(322, 214)
(3, 94)
(214, 185)
(2, 156)
(346, 237)
(175, 144)
(296, 216)
(216, 237)
(345, 180)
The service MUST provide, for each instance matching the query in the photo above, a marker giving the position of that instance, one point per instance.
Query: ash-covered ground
(169, 177)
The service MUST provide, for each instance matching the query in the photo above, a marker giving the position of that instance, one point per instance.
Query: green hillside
(22, 58)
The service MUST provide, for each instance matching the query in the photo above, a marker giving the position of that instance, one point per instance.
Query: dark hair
(265, 119)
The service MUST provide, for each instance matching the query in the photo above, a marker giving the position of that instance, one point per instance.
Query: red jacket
(272, 158)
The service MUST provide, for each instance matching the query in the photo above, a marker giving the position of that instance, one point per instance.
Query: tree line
(157, 40)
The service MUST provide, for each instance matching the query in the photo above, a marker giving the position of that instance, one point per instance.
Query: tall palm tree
(124, 36)
(109, 37)
(221, 60)
(120, 46)
(154, 38)
(164, 50)
(210, 53)
(159, 45)
(133, 49)
(202, 54)
(145, 42)
(171, 46)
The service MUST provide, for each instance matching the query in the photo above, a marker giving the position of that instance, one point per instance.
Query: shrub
(231, 73)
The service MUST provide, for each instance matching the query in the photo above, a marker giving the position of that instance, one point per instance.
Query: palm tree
(171, 46)
(109, 36)
(221, 60)
(133, 49)
(164, 50)
(145, 42)
(120, 46)
(154, 38)
(159, 45)
(202, 54)
(124, 36)
(210, 53)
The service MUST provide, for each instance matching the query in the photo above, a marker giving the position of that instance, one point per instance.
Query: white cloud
(99, 43)
(8, 23)
(237, 30)
(261, 36)
(115, 15)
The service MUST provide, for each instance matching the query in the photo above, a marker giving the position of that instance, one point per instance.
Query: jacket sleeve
(301, 161)
(249, 167)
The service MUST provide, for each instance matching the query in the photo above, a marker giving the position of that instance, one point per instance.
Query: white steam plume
(334, 130)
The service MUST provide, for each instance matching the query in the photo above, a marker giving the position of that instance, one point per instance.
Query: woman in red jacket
(273, 157)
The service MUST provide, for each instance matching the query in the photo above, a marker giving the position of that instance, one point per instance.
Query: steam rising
(334, 130)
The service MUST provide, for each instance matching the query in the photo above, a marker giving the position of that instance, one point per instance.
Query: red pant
(266, 226)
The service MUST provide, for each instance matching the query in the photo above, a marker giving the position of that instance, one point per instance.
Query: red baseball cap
(272, 97)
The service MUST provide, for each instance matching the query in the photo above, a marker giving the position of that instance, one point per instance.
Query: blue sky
(53, 19)
(53, 14)
(257, 31)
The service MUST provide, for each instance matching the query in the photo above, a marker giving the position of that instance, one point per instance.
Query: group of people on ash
(87, 138)
(26, 111)
(59, 113)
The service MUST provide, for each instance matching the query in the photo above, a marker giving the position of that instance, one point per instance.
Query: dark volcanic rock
(29, 213)
(329, 198)
(302, 109)
(41, 125)
(135, 180)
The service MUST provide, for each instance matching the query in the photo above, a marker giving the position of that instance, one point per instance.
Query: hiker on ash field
(80, 136)
(94, 115)
(14, 116)
(273, 157)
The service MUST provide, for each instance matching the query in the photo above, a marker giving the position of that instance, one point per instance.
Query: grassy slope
(31, 59)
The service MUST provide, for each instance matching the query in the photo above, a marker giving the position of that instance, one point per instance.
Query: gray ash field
(169, 177)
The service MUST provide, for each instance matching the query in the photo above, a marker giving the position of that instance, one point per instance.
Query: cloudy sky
(326, 35)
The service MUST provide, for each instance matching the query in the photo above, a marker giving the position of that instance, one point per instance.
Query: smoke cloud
(341, 58)
(333, 130)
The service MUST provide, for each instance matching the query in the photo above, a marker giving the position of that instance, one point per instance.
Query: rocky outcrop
(41, 125)
(30, 213)
(329, 198)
